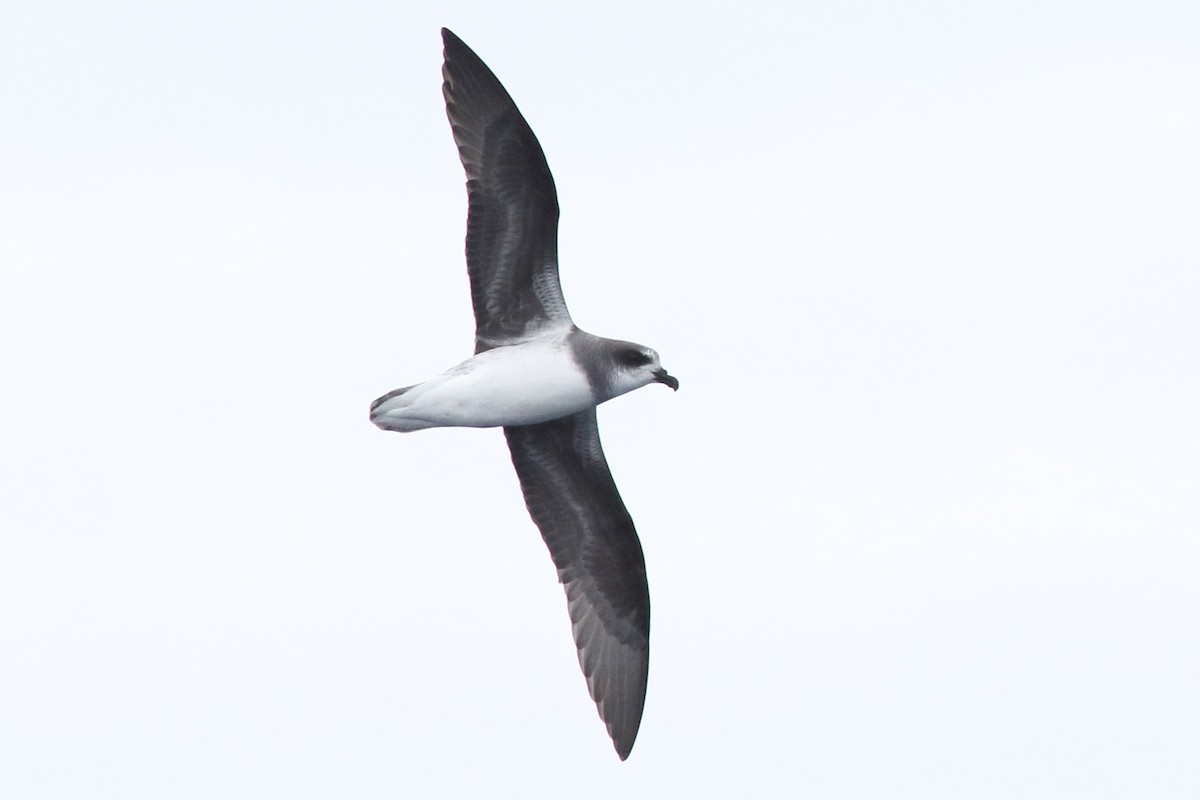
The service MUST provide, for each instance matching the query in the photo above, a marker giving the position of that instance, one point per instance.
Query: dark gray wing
(572, 498)
(512, 217)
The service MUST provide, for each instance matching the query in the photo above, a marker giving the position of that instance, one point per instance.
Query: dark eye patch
(634, 358)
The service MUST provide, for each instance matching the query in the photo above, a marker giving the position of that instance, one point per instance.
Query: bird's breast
(517, 385)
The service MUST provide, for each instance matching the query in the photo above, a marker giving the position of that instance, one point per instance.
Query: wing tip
(623, 733)
(455, 49)
(623, 741)
(623, 751)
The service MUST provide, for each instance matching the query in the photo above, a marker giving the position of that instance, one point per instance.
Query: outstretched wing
(572, 498)
(512, 217)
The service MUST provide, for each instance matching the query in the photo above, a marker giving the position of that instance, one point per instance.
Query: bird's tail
(375, 404)
(388, 412)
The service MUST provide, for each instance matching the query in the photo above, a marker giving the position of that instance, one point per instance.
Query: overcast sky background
(921, 522)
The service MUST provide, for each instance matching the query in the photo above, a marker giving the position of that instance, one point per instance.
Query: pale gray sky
(922, 521)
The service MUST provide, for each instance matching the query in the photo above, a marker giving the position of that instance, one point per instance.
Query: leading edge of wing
(571, 496)
(512, 218)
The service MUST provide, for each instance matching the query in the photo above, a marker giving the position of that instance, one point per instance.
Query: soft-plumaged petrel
(539, 377)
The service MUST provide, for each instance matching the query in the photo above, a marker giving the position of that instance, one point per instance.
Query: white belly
(519, 385)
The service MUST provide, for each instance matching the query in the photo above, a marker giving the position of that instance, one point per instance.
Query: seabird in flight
(540, 378)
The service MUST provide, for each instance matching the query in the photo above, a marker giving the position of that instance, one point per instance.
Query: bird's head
(635, 365)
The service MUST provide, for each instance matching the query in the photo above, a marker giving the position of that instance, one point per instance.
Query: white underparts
(516, 385)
